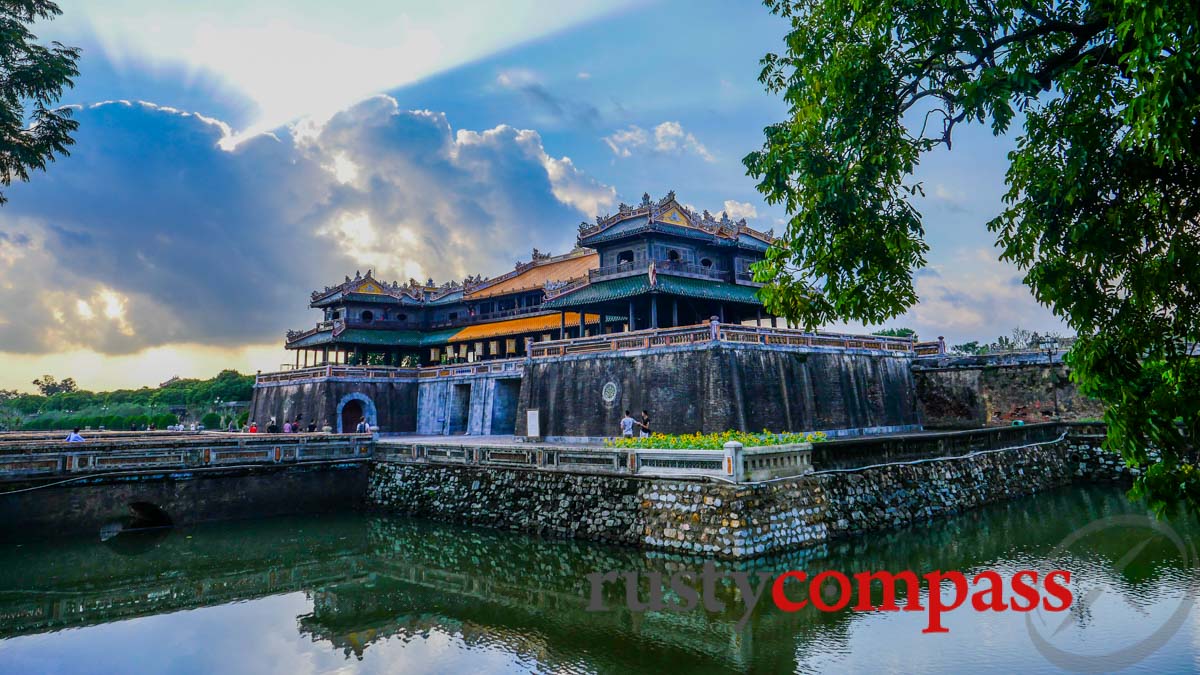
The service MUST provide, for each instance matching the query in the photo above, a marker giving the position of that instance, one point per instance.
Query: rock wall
(970, 392)
(733, 521)
(475, 405)
(394, 403)
(709, 388)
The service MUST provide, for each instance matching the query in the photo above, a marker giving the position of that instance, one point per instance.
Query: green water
(355, 592)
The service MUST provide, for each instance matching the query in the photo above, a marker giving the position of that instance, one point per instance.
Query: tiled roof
(616, 289)
(535, 275)
(529, 324)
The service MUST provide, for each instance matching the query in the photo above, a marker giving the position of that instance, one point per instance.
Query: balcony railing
(493, 366)
(672, 267)
(668, 337)
(479, 317)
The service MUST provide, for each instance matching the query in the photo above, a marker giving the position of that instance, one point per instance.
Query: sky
(232, 157)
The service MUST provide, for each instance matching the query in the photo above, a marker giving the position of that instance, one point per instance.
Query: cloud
(949, 198)
(584, 75)
(557, 109)
(623, 141)
(668, 138)
(152, 234)
(973, 297)
(739, 210)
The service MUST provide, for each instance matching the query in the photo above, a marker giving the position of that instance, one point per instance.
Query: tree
(1100, 214)
(32, 78)
(50, 386)
(896, 332)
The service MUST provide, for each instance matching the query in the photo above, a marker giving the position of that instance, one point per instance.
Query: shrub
(714, 441)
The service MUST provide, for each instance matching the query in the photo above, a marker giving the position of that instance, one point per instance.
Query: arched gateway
(351, 409)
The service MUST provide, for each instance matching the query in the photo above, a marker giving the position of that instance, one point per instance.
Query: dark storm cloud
(151, 233)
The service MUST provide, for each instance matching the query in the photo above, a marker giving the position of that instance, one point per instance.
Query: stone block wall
(395, 402)
(733, 521)
(716, 387)
(971, 392)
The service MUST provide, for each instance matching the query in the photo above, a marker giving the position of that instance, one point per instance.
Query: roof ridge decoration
(367, 283)
(723, 227)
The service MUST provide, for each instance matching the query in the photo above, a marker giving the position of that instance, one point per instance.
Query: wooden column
(674, 312)
(562, 325)
(632, 325)
(582, 323)
(653, 310)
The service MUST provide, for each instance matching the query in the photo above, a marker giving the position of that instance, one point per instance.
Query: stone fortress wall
(957, 392)
(738, 521)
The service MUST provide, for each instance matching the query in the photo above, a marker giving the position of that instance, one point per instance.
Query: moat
(392, 594)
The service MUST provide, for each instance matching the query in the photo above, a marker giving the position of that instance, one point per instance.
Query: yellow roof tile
(529, 324)
(535, 277)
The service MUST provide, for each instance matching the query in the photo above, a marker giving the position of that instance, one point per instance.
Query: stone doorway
(352, 412)
(504, 407)
(460, 409)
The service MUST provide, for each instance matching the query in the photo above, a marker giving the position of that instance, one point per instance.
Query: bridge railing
(48, 459)
(734, 464)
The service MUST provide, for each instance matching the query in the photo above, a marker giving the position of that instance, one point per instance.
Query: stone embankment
(737, 521)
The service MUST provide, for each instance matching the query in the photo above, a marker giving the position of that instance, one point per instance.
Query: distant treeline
(123, 408)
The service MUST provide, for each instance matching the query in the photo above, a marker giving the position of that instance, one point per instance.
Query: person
(645, 424)
(312, 427)
(232, 427)
(287, 427)
(74, 436)
(253, 427)
(627, 425)
(273, 426)
(362, 426)
(296, 428)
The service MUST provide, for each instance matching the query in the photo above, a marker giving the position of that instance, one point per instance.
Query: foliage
(1100, 212)
(66, 409)
(896, 332)
(1020, 340)
(714, 441)
(31, 75)
(211, 421)
(50, 386)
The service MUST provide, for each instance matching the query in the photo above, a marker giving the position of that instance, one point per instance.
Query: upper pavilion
(657, 264)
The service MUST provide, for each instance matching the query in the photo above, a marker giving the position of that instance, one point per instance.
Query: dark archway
(352, 414)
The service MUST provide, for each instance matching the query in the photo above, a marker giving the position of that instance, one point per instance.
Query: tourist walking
(362, 426)
(287, 427)
(627, 423)
(74, 436)
(253, 427)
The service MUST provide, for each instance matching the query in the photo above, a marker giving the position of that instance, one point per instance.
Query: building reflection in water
(372, 579)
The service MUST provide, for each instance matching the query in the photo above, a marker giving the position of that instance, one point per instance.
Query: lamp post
(1050, 346)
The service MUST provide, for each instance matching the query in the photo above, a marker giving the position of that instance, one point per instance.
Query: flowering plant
(713, 441)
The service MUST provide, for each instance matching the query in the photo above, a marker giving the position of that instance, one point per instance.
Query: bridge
(159, 478)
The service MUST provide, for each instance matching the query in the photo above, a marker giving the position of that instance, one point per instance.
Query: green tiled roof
(616, 289)
(386, 338)
(362, 336)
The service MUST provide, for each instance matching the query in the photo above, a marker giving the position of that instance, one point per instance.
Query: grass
(713, 441)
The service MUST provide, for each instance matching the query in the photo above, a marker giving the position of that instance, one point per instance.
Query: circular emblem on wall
(609, 392)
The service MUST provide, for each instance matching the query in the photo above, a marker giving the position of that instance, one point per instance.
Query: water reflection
(378, 591)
